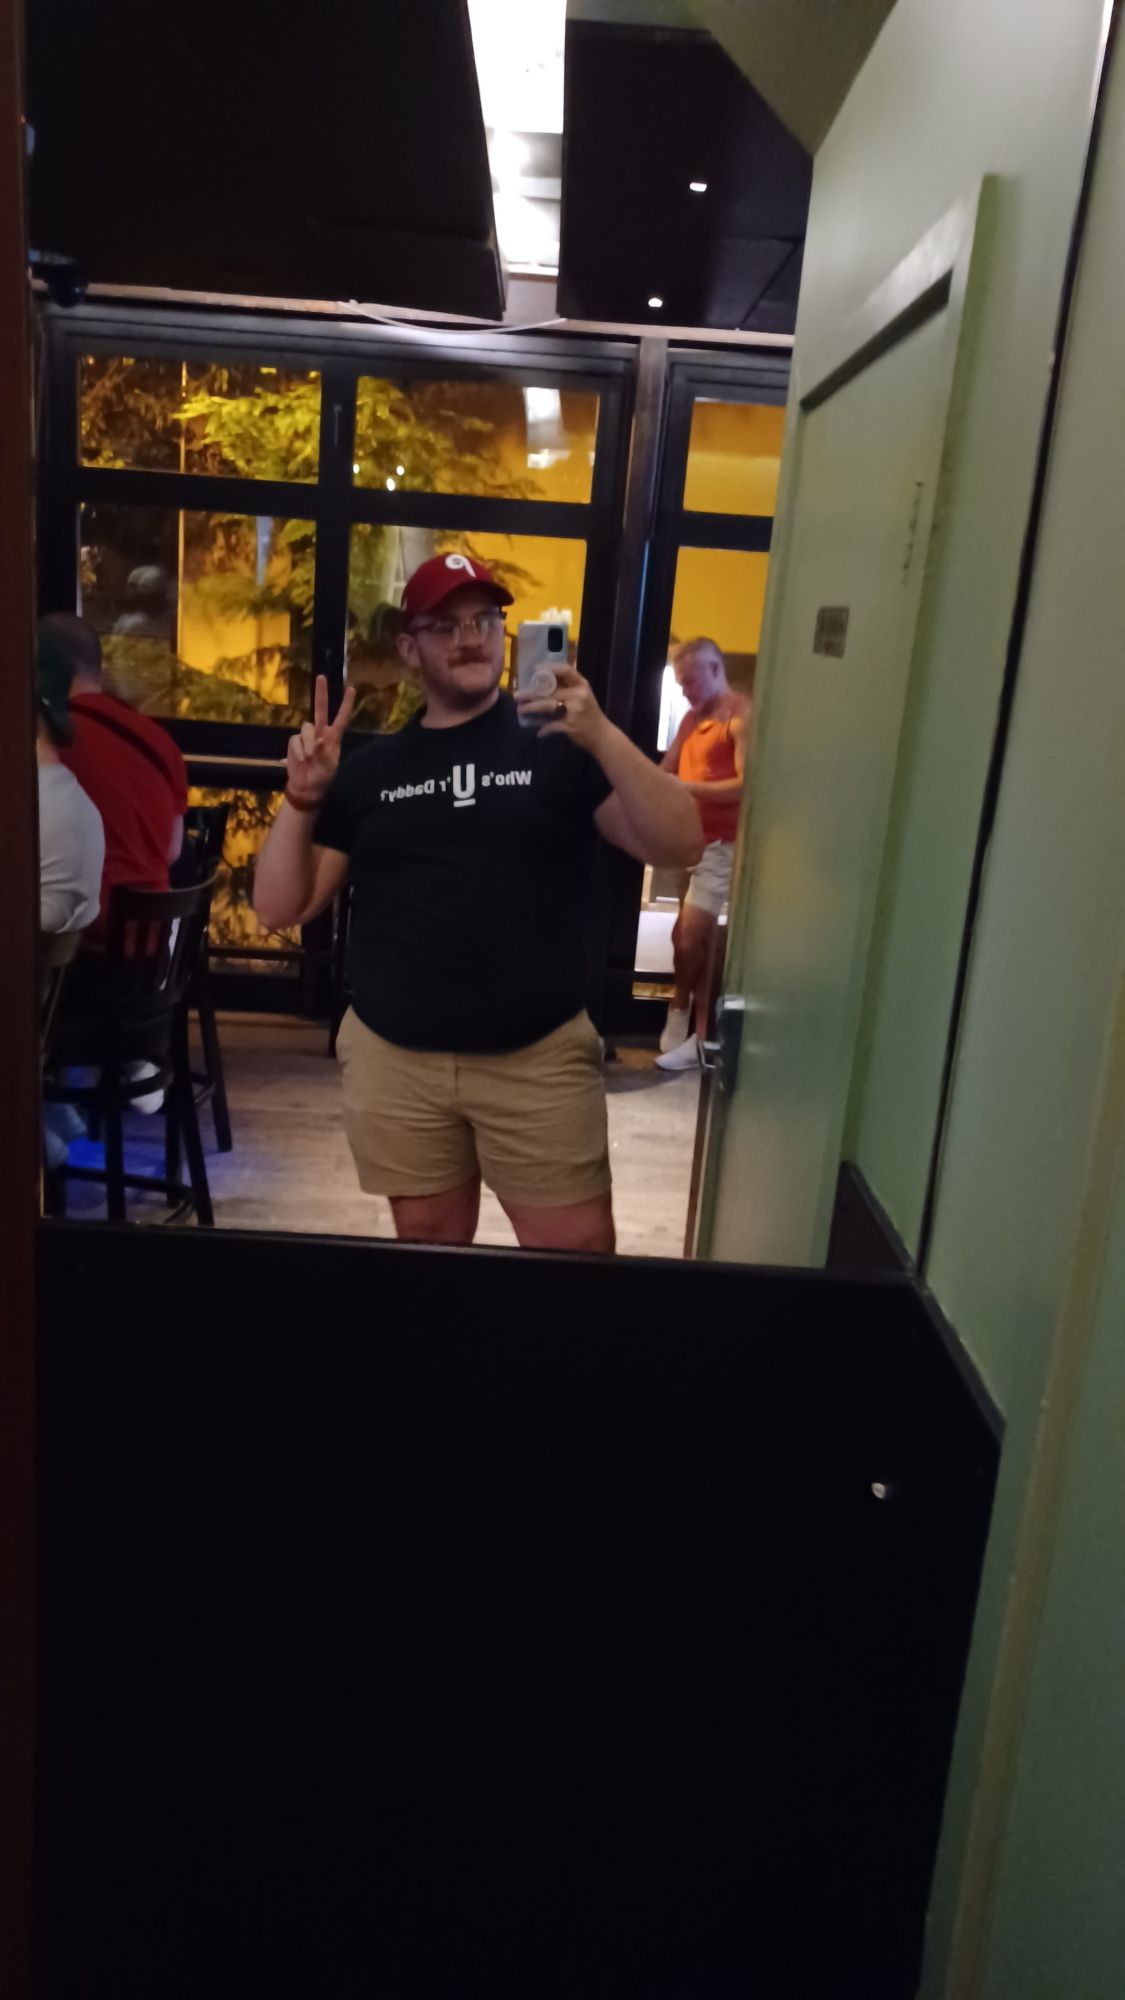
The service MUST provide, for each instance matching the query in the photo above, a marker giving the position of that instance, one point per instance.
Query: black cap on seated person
(54, 671)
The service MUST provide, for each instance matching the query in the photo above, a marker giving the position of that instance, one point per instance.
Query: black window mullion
(676, 436)
(333, 530)
(204, 493)
(750, 532)
(471, 512)
(611, 448)
(757, 376)
(308, 342)
(57, 448)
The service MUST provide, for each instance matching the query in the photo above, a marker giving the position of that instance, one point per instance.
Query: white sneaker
(152, 1100)
(685, 1056)
(675, 1029)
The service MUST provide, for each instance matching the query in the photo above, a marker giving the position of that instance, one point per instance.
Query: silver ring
(560, 710)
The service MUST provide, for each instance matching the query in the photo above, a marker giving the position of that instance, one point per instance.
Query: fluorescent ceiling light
(654, 301)
(698, 187)
(519, 47)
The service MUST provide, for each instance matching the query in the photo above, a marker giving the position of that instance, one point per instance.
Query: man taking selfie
(469, 841)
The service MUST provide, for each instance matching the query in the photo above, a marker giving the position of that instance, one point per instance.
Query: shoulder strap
(127, 735)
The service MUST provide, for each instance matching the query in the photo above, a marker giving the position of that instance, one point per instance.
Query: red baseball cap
(435, 580)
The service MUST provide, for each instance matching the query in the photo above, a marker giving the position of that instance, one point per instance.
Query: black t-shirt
(471, 853)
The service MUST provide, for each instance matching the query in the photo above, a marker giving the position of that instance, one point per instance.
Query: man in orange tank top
(708, 754)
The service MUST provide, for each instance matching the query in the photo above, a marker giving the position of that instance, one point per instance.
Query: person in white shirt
(71, 836)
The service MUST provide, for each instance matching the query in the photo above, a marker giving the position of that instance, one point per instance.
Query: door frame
(690, 373)
(935, 277)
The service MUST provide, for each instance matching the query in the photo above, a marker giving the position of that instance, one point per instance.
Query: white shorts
(709, 885)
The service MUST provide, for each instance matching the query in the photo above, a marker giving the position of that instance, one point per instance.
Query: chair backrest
(205, 830)
(152, 946)
(57, 950)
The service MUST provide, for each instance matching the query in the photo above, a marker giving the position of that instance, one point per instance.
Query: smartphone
(542, 645)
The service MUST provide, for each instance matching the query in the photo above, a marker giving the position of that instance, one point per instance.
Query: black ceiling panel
(647, 111)
(210, 145)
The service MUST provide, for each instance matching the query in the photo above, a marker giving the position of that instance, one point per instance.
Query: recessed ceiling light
(355, 465)
(391, 485)
(655, 302)
(698, 187)
(400, 469)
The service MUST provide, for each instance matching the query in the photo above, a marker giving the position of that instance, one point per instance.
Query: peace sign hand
(313, 756)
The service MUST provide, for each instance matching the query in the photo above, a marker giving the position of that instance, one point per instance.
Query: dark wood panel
(632, 228)
(19, 1040)
(862, 1238)
(441, 1623)
(187, 147)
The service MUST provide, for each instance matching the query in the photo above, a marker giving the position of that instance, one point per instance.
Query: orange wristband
(302, 805)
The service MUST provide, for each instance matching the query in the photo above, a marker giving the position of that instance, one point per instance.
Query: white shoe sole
(685, 1057)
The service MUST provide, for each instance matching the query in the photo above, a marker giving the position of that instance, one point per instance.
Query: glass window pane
(493, 438)
(544, 574)
(718, 595)
(233, 922)
(249, 421)
(202, 615)
(733, 457)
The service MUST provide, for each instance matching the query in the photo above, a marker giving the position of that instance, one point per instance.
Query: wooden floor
(291, 1168)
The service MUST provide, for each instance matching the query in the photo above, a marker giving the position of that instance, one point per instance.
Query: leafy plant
(257, 422)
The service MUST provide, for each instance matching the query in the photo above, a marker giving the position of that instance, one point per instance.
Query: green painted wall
(1035, 1818)
(953, 89)
(1043, 990)
(1057, 1915)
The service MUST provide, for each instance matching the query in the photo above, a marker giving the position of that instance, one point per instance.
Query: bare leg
(707, 982)
(714, 983)
(692, 944)
(681, 986)
(584, 1225)
(448, 1217)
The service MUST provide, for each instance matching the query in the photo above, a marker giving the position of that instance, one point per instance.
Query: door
(848, 591)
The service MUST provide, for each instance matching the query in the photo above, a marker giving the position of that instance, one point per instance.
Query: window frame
(341, 354)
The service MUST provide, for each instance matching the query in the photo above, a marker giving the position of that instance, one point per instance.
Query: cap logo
(460, 562)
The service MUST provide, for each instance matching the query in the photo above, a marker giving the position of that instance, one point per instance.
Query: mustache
(470, 660)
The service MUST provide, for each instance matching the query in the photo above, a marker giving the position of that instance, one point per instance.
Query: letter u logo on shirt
(464, 784)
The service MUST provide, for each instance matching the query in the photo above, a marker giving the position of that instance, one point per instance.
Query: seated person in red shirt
(124, 761)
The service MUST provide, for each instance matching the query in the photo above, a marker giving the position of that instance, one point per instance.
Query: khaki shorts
(709, 887)
(532, 1122)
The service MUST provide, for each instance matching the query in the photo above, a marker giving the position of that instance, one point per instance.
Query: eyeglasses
(485, 625)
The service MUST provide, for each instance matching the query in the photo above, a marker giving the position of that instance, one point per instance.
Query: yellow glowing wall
(719, 595)
(733, 457)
